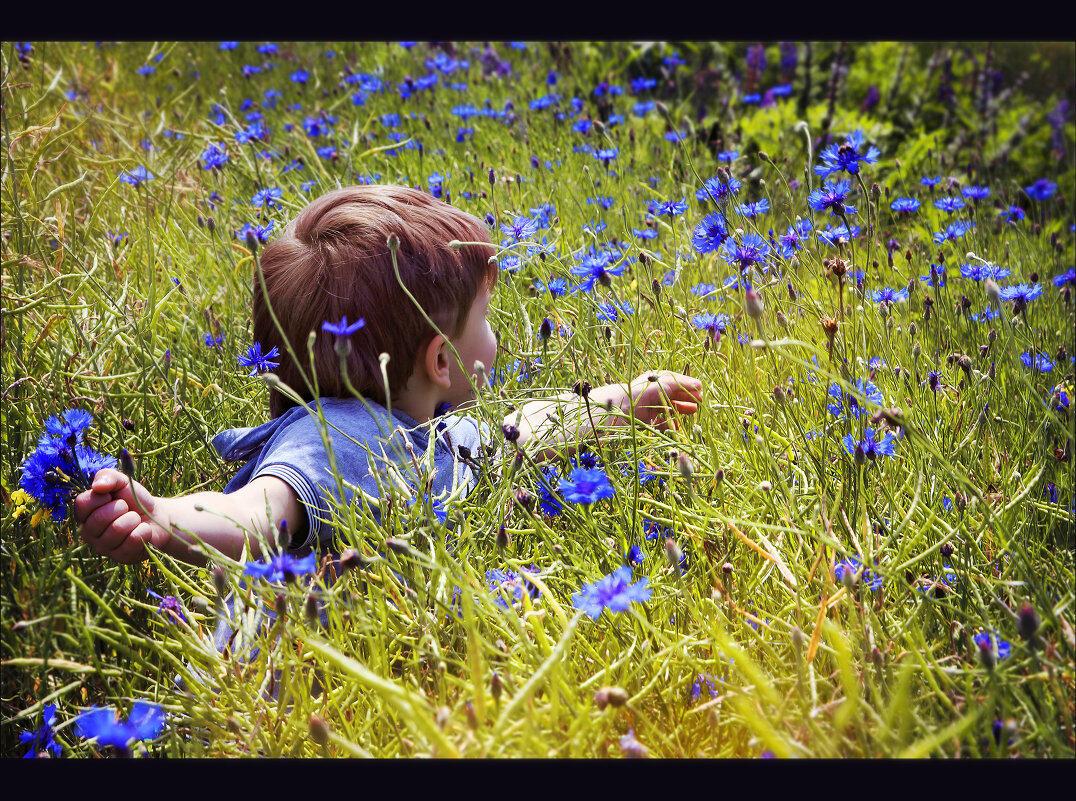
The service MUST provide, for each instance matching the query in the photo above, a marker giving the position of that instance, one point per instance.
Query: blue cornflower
(614, 592)
(267, 198)
(645, 233)
(697, 685)
(930, 181)
(556, 286)
(136, 177)
(889, 295)
(549, 502)
(713, 323)
(342, 328)
(281, 567)
(43, 738)
(259, 362)
(521, 228)
(328, 152)
(867, 389)
(752, 99)
(792, 240)
(62, 465)
(667, 208)
(852, 566)
(436, 185)
(753, 209)
(986, 641)
(1041, 190)
(711, 233)
(1012, 215)
(728, 156)
(586, 486)
(980, 272)
(169, 606)
(1021, 294)
(214, 157)
(936, 276)
(1037, 361)
(832, 196)
(634, 557)
(949, 204)
(260, 232)
(213, 341)
(752, 249)
(605, 155)
(146, 722)
(512, 584)
(675, 136)
(838, 235)
(953, 231)
(653, 530)
(714, 189)
(846, 156)
(905, 205)
(437, 506)
(870, 446)
(610, 312)
(976, 192)
(595, 267)
(1067, 277)
(300, 76)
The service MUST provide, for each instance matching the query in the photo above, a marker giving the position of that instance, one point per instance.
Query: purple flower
(281, 567)
(847, 156)
(870, 447)
(710, 234)
(752, 249)
(832, 197)
(146, 722)
(260, 362)
(614, 592)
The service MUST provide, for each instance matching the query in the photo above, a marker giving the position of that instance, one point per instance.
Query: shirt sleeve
(299, 459)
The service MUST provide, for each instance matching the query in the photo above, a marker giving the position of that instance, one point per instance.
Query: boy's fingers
(133, 547)
(108, 480)
(685, 407)
(87, 502)
(101, 519)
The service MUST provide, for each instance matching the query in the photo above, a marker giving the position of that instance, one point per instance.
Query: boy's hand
(652, 399)
(111, 522)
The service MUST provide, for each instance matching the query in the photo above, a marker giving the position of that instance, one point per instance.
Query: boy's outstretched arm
(119, 517)
(650, 397)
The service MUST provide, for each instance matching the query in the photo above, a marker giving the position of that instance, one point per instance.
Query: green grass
(801, 664)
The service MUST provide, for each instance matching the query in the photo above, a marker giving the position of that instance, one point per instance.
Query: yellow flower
(21, 500)
(39, 515)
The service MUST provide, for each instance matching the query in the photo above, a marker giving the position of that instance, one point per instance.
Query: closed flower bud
(524, 499)
(753, 304)
(220, 583)
(546, 329)
(492, 177)
(350, 559)
(310, 609)
(281, 604)
(126, 462)
(719, 475)
(797, 638)
(685, 465)
(393, 241)
(472, 718)
(496, 686)
(674, 554)
(511, 433)
(986, 654)
(1027, 622)
(398, 546)
(946, 550)
(610, 696)
(319, 730)
(502, 536)
(128, 424)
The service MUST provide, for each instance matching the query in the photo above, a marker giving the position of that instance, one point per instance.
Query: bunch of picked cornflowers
(63, 465)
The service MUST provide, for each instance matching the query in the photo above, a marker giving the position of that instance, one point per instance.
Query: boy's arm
(119, 517)
(649, 397)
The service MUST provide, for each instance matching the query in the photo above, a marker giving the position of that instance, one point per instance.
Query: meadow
(860, 546)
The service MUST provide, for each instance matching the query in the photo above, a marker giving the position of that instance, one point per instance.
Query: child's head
(333, 260)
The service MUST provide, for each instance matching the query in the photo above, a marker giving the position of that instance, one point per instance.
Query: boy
(333, 263)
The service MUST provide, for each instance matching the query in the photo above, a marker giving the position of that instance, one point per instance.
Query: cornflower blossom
(260, 362)
(282, 567)
(986, 641)
(512, 584)
(521, 228)
(870, 447)
(102, 724)
(753, 209)
(846, 156)
(714, 189)
(136, 177)
(889, 295)
(1042, 190)
(905, 205)
(832, 197)
(710, 234)
(841, 399)
(667, 208)
(1037, 361)
(614, 592)
(43, 738)
(851, 566)
(980, 272)
(267, 198)
(750, 250)
(949, 204)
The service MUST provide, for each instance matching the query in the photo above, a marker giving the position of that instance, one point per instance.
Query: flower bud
(496, 686)
(350, 559)
(797, 638)
(546, 329)
(220, 583)
(310, 609)
(393, 241)
(753, 304)
(281, 604)
(319, 730)
(993, 291)
(1027, 622)
(511, 433)
(685, 465)
(610, 696)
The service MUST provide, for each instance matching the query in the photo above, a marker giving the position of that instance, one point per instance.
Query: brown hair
(333, 260)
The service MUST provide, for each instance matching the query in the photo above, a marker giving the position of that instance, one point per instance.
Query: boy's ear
(435, 362)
